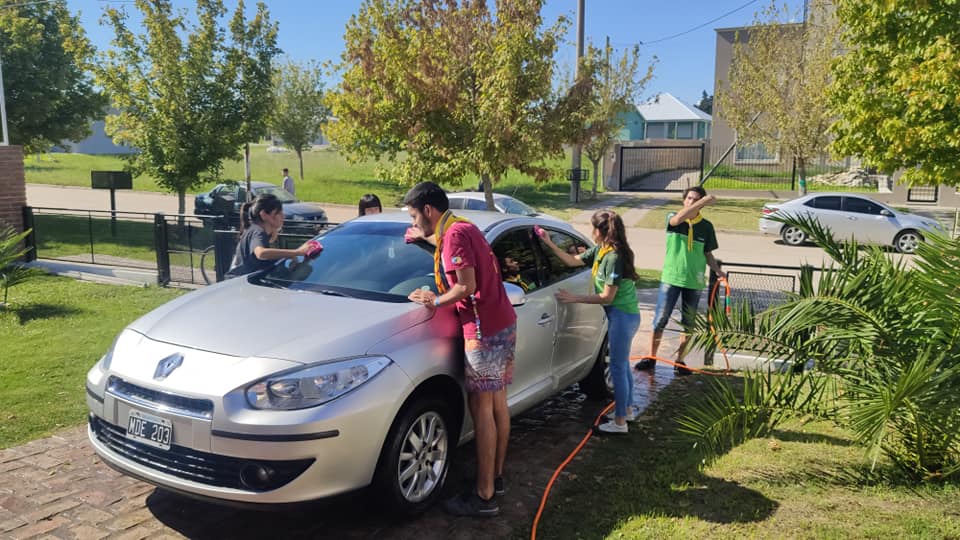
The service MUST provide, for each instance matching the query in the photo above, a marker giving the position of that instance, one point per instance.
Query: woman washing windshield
(260, 223)
(614, 288)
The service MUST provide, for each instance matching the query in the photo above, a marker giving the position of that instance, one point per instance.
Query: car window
(861, 206)
(283, 195)
(387, 268)
(518, 262)
(513, 206)
(456, 203)
(225, 191)
(555, 269)
(474, 204)
(827, 202)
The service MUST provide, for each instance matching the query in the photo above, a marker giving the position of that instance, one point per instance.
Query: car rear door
(536, 319)
(579, 326)
(828, 209)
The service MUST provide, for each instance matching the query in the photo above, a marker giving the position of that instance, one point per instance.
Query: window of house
(701, 130)
(685, 130)
(672, 130)
(755, 153)
(655, 130)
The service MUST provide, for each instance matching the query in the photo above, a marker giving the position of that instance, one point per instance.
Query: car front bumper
(314, 453)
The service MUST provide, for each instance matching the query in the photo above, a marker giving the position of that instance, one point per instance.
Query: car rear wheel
(598, 384)
(793, 236)
(416, 457)
(907, 241)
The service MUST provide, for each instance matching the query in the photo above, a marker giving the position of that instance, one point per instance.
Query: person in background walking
(614, 287)
(288, 182)
(691, 241)
(260, 223)
(463, 256)
(369, 204)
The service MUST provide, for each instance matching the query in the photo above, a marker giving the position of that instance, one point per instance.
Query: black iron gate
(660, 168)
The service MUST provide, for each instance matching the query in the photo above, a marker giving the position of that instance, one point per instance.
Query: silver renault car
(318, 377)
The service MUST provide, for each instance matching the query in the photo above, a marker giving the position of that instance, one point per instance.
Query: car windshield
(513, 206)
(280, 193)
(360, 259)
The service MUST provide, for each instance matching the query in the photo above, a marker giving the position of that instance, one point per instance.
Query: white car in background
(850, 216)
(505, 204)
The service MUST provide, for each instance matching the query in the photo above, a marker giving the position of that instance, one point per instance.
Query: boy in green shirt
(691, 241)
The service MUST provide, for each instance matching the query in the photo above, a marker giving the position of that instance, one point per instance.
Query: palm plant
(11, 271)
(885, 340)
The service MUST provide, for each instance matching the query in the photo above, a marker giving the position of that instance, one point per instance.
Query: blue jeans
(621, 328)
(667, 300)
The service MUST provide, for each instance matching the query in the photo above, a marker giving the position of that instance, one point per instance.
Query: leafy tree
(781, 72)
(897, 89)
(616, 85)
(455, 88)
(11, 251)
(252, 60)
(45, 54)
(884, 338)
(706, 103)
(299, 111)
(181, 90)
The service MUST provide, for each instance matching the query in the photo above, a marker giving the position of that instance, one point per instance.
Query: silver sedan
(850, 216)
(316, 378)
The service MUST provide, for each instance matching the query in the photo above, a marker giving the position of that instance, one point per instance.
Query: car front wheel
(907, 241)
(416, 457)
(793, 236)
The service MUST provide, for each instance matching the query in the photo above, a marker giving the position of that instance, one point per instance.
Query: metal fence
(660, 168)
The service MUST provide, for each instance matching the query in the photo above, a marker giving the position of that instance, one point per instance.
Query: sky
(680, 33)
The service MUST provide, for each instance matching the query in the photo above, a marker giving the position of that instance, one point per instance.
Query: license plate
(149, 429)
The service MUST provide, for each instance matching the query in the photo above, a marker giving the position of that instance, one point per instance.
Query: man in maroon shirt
(489, 333)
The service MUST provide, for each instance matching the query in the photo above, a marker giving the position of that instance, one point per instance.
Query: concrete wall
(13, 187)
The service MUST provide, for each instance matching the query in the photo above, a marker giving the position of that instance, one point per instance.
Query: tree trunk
(488, 191)
(246, 169)
(596, 166)
(300, 159)
(181, 201)
(802, 171)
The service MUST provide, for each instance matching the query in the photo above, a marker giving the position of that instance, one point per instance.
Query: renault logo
(167, 365)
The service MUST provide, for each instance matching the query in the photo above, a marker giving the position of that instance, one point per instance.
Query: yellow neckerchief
(519, 281)
(690, 223)
(596, 261)
(446, 220)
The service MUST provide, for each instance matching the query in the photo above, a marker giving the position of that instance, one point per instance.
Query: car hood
(302, 209)
(240, 319)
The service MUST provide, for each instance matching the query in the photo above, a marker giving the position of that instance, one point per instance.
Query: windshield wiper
(331, 292)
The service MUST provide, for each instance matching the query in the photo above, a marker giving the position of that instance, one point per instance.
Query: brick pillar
(13, 186)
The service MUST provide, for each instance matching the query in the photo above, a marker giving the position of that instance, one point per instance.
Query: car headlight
(124, 339)
(314, 385)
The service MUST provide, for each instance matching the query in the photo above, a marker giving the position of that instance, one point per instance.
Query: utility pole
(3, 109)
(575, 165)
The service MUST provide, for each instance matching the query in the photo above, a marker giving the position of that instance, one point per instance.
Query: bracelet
(436, 302)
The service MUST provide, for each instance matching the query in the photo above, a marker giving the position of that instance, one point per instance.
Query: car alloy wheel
(793, 236)
(907, 241)
(423, 457)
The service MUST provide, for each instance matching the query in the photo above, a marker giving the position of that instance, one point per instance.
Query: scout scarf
(596, 261)
(690, 223)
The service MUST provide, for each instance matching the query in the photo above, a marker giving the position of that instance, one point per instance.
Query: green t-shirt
(610, 272)
(685, 263)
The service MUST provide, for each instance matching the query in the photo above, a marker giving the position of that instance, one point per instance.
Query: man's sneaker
(646, 363)
(631, 415)
(471, 505)
(681, 368)
(611, 427)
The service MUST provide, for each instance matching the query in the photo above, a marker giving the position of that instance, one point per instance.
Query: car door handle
(545, 319)
(852, 218)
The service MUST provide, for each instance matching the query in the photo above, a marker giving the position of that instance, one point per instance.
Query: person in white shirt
(288, 182)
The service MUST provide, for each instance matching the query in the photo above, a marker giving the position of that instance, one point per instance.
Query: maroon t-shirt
(464, 246)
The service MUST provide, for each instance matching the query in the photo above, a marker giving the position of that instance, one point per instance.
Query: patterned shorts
(489, 365)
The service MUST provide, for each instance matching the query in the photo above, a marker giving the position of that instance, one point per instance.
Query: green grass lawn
(648, 279)
(328, 177)
(54, 330)
(725, 214)
(808, 481)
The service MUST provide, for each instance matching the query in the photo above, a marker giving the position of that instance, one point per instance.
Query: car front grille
(154, 399)
(197, 466)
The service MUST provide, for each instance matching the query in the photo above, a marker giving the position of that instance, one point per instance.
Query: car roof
(254, 185)
(483, 219)
(476, 195)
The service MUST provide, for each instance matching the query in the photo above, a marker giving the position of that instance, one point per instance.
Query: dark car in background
(227, 198)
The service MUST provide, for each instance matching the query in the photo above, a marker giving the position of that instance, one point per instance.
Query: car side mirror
(515, 294)
(886, 212)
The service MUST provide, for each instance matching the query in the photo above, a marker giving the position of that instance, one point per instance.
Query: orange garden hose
(596, 422)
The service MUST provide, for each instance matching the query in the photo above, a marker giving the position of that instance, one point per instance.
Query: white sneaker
(631, 415)
(612, 427)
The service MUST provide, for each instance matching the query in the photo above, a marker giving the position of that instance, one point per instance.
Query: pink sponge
(313, 248)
